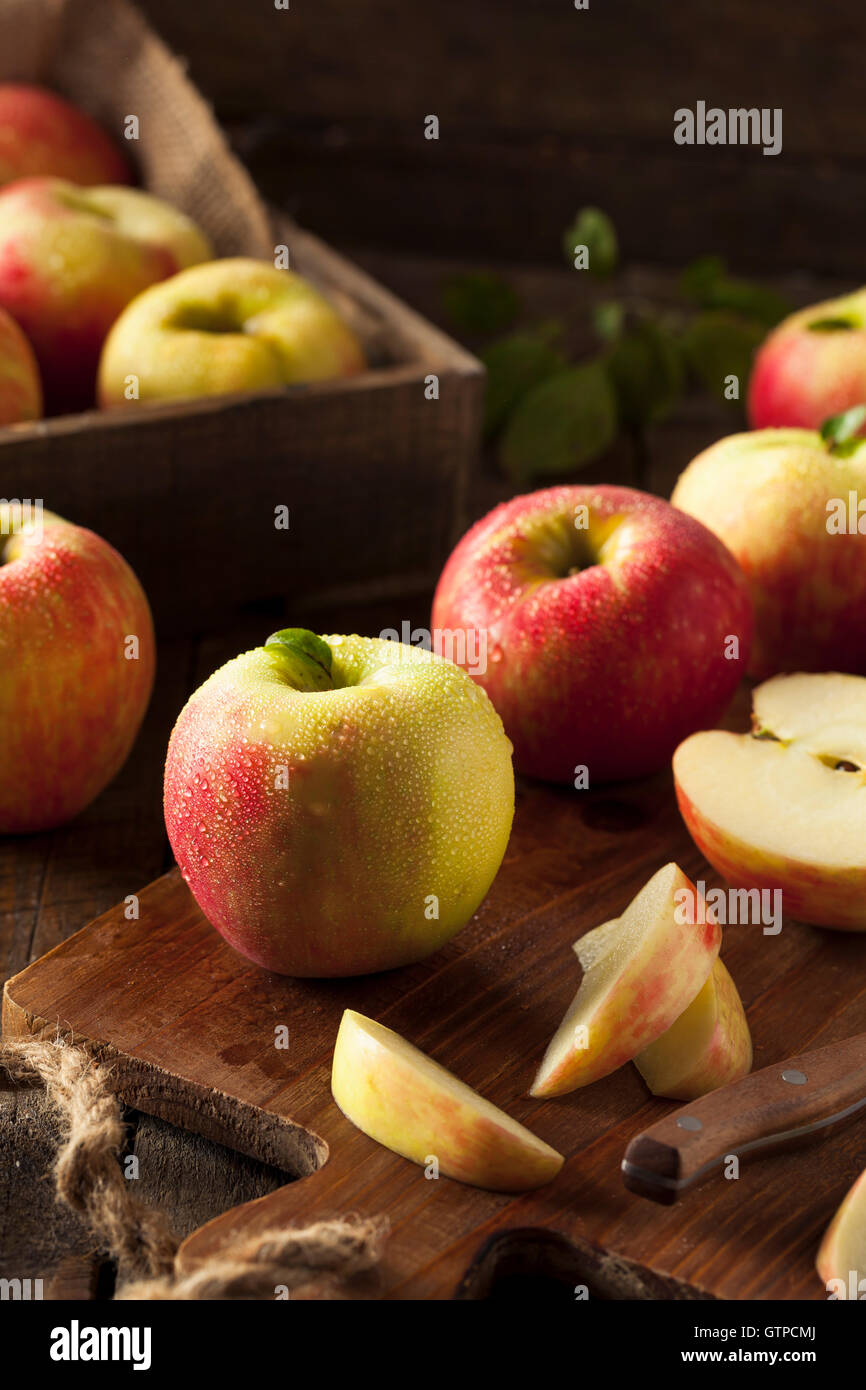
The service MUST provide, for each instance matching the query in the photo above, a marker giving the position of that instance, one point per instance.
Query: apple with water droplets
(338, 805)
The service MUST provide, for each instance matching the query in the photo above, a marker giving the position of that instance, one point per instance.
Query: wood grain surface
(190, 1028)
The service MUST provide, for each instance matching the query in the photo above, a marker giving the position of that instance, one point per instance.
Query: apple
(709, 1045)
(785, 806)
(812, 366)
(612, 628)
(640, 972)
(781, 502)
(77, 671)
(404, 1100)
(20, 386)
(338, 805)
(71, 259)
(41, 134)
(842, 1256)
(231, 326)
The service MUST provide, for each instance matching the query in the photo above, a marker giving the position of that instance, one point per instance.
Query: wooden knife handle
(784, 1104)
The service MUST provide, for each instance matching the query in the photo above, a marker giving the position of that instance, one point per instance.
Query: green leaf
(832, 325)
(514, 365)
(593, 229)
(305, 658)
(718, 344)
(480, 303)
(700, 276)
(708, 284)
(646, 371)
(841, 432)
(560, 425)
(608, 320)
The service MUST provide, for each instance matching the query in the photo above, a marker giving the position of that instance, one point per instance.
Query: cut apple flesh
(640, 973)
(404, 1100)
(785, 807)
(843, 1249)
(708, 1046)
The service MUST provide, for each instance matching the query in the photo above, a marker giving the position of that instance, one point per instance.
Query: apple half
(842, 1255)
(404, 1100)
(785, 806)
(641, 972)
(708, 1046)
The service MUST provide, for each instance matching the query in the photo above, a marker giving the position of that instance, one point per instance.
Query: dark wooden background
(543, 108)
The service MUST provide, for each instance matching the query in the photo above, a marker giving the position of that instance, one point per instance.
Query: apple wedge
(842, 1255)
(785, 806)
(641, 972)
(404, 1100)
(708, 1046)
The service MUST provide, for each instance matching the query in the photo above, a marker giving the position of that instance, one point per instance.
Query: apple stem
(305, 658)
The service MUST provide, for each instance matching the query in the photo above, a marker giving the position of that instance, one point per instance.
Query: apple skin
(20, 385)
(70, 701)
(71, 259)
(682, 1066)
(802, 377)
(230, 326)
(843, 1248)
(765, 495)
(43, 135)
(413, 1106)
(834, 900)
(399, 786)
(612, 666)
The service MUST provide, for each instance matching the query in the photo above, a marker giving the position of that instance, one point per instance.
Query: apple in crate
(338, 805)
(404, 1100)
(786, 502)
(20, 386)
(71, 259)
(77, 670)
(708, 1046)
(640, 972)
(812, 366)
(841, 1259)
(613, 625)
(42, 134)
(231, 326)
(784, 807)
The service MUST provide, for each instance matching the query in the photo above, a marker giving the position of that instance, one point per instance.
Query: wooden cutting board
(191, 1027)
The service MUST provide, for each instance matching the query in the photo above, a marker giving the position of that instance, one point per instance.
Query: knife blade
(782, 1105)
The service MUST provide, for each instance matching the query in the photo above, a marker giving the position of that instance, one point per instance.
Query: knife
(780, 1106)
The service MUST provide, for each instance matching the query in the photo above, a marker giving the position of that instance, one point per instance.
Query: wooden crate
(373, 471)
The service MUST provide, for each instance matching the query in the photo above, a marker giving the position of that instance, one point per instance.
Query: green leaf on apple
(480, 303)
(514, 365)
(561, 424)
(593, 229)
(831, 325)
(842, 432)
(646, 371)
(305, 658)
(717, 344)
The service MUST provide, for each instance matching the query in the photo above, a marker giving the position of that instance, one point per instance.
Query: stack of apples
(104, 291)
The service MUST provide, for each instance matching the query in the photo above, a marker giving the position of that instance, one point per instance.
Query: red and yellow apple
(614, 626)
(781, 500)
(812, 366)
(41, 134)
(77, 669)
(841, 1262)
(20, 386)
(71, 259)
(708, 1046)
(231, 326)
(785, 806)
(338, 805)
(641, 971)
(404, 1100)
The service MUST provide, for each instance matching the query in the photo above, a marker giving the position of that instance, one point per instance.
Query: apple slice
(785, 806)
(640, 973)
(403, 1099)
(842, 1254)
(708, 1046)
